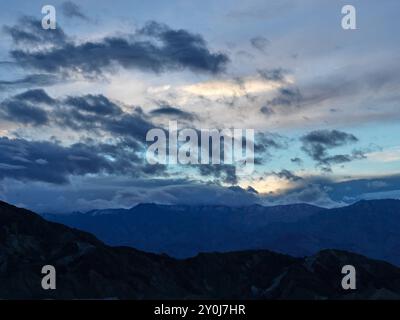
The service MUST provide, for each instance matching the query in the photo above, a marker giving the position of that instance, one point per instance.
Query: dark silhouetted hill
(87, 268)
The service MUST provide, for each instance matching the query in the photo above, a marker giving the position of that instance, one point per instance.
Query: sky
(77, 102)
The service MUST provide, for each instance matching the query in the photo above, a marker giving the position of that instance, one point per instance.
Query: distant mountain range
(370, 227)
(87, 268)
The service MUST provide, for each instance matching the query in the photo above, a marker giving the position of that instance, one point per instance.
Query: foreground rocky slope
(87, 268)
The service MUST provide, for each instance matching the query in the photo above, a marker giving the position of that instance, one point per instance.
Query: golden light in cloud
(7, 128)
(269, 184)
(232, 88)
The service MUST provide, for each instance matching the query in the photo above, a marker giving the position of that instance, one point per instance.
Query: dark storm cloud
(50, 162)
(35, 96)
(97, 104)
(122, 125)
(167, 110)
(92, 113)
(57, 162)
(267, 110)
(265, 142)
(72, 10)
(287, 97)
(260, 43)
(223, 172)
(277, 74)
(29, 31)
(330, 138)
(97, 115)
(22, 112)
(288, 175)
(317, 143)
(33, 80)
(132, 125)
(185, 49)
(297, 161)
(155, 48)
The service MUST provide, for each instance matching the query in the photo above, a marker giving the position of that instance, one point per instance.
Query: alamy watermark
(349, 18)
(49, 280)
(204, 146)
(49, 20)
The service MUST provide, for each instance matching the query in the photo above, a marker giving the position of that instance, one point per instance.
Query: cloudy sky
(76, 102)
